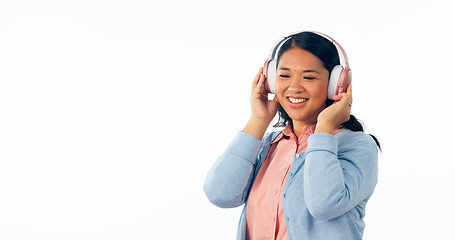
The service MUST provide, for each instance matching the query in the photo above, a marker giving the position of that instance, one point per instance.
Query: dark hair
(328, 54)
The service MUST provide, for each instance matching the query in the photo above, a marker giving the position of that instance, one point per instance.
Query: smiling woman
(311, 180)
(301, 87)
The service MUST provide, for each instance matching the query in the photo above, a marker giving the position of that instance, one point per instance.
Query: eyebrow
(305, 71)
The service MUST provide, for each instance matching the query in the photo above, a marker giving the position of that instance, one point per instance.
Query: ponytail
(355, 125)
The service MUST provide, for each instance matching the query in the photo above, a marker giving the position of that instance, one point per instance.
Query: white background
(112, 112)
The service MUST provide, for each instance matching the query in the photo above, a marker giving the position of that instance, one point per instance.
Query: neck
(297, 127)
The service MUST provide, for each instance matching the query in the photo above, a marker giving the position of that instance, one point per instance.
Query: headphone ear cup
(333, 81)
(270, 74)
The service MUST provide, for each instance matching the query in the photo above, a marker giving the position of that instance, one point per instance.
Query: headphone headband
(341, 53)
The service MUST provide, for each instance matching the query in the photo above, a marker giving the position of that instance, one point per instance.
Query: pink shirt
(264, 210)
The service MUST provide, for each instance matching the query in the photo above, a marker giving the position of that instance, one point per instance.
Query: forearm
(256, 127)
(335, 182)
(323, 127)
(323, 179)
(230, 177)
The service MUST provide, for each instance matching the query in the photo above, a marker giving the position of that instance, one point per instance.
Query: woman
(311, 180)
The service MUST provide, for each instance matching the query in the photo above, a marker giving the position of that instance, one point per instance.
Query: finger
(347, 98)
(256, 79)
(337, 98)
(258, 75)
(260, 84)
(349, 91)
(344, 98)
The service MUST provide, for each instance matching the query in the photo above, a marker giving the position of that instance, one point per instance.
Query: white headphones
(340, 76)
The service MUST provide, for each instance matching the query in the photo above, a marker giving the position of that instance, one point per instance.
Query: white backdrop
(112, 112)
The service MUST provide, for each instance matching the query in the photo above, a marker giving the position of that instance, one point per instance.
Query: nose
(296, 85)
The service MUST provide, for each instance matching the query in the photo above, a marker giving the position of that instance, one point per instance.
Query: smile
(297, 100)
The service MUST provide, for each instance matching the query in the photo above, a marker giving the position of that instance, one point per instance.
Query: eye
(284, 76)
(309, 78)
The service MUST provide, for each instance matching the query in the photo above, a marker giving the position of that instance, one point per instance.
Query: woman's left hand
(335, 114)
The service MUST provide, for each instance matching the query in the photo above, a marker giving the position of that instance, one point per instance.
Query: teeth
(297, 100)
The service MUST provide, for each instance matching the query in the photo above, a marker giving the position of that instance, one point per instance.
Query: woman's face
(301, 85)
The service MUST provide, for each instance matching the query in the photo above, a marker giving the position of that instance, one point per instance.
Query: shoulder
(248, 144)
(348, 136)
(348, 139)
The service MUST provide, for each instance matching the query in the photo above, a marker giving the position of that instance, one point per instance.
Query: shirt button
(297, 155)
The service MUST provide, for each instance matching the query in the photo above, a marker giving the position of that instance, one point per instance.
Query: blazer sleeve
(338, 177)
(228, 182)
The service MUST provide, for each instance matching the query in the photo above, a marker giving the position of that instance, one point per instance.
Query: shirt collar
(287, 131)
(306, 131)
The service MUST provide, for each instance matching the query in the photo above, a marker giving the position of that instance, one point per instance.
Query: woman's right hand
(262, 109)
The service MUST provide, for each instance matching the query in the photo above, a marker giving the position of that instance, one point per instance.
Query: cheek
(278, 84)
(318, 90)
(280, 88)
(323, 92)
(323, 87)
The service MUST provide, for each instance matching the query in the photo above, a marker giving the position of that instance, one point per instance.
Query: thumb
(337, 98)
(273, 106)
(276, 99)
